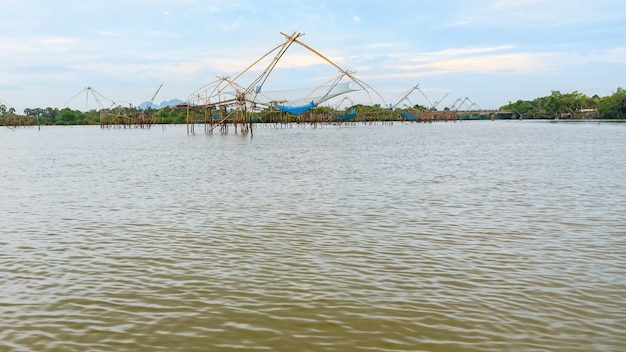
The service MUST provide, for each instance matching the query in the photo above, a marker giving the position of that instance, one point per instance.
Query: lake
(466, 236)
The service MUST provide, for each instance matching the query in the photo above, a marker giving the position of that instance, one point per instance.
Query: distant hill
(163, 104)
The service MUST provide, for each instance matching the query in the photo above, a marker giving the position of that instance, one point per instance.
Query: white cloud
(515, 63)
(554, 13)
(617, 55)
(467, 51)
(186, 43)
(301, 61)
(185, 68)
(517, 6)
(57, 41)
(498, 60)
(12, 46)
(106, 33)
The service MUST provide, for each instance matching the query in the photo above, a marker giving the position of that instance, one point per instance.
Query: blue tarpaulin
(296, 110)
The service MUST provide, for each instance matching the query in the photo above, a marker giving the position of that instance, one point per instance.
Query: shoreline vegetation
(572, 106)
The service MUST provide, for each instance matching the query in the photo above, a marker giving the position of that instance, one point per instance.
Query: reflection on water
(474, 236)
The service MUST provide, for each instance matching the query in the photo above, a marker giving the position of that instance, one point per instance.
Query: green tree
(614, 106)
(50, 117)
(573, 102)
(67, 117)
(553, 103)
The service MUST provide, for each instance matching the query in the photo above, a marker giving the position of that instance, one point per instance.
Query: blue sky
(490, 51)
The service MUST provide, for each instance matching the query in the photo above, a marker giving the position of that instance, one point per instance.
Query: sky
(488, 52)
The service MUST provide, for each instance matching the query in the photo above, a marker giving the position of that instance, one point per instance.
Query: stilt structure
(231, 102)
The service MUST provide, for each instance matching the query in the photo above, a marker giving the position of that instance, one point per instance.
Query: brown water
(473, 236)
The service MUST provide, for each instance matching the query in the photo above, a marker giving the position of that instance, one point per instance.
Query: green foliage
(614, 106)
(557, 104)
(173, 116)
(68, 117)
(522, 107)
(571, 105)
(419, 107)
(323, 110)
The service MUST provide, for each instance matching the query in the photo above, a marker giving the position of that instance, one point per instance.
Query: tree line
(555, 105)
(67, 116)
(572, 105)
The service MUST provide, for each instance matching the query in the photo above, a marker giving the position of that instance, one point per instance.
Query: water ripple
(373, 238)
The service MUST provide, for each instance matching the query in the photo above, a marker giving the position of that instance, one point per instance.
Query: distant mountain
(163, 104)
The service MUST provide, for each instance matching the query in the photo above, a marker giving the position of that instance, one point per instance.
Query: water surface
(473, 236)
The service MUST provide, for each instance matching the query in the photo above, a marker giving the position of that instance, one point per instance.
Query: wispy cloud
(523, 6)
(57, 41)
(467, 51)
(51, 48)
(542, 13)
(617, 55)
(301, 61)
(498, 60)
(106, 33)
(514, 63)
(15, 47)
